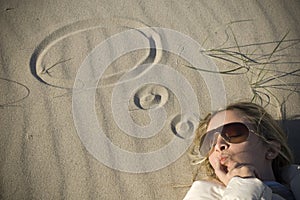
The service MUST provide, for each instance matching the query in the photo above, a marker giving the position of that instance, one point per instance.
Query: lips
(223, 159)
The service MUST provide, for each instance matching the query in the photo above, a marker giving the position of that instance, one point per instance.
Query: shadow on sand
(292, 129)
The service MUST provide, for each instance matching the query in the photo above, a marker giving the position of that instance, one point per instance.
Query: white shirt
(237, 188)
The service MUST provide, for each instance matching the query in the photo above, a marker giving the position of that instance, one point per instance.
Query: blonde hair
(266, 127)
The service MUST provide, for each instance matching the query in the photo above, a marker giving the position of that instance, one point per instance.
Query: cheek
(242, 147)
(246, 152)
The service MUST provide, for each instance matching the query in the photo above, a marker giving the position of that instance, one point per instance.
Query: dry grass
(266, 72)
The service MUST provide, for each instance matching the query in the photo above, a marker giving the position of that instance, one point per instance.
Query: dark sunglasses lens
(235, 132)
(232, 133)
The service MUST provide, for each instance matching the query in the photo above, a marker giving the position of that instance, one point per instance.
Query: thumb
(220, 172)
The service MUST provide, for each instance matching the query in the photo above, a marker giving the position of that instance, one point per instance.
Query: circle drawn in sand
(43, 73)
(182, 126)
(153, 84)
(151, 96)
(156, 80)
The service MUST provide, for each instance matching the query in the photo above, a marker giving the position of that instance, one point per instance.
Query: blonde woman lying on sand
(244, 155)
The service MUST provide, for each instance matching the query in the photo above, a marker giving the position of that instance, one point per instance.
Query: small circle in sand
(151, 96)
(182, 126)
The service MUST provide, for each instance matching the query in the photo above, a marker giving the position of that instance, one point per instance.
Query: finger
(232, 165)
(243, 171)
(220, 172)
(254, 171)
(218, 166)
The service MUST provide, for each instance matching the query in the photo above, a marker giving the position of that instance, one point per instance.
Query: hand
(225, 174)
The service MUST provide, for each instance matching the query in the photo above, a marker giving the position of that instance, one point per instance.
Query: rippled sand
(99, 99)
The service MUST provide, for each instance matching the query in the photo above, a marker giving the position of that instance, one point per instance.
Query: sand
(99, 99)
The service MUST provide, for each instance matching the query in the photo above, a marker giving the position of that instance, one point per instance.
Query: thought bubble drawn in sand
(55, 60)
(150, 85)
(183, 126)
(151, 96)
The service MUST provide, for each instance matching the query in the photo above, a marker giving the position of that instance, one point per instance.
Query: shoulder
(205, 190)
(250, 186)
(238, 188)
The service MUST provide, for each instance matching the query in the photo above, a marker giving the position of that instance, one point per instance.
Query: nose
(221, 144)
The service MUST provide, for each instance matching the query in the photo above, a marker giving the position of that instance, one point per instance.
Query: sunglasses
(236, 132)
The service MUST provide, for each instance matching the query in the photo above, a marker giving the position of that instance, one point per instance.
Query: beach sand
(89, 111)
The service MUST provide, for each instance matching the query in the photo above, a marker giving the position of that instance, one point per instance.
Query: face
(252, 151)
